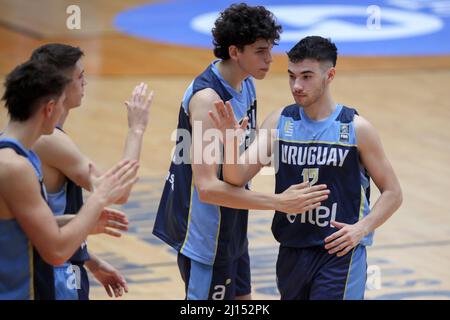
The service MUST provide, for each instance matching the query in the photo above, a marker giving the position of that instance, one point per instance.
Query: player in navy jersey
(34, 96)
(199, 215)
(66, 172)
(322, 252)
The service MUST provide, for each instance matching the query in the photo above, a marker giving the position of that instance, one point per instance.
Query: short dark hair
(314, 47)
(62, 56)
(241, 25)
(30, 84)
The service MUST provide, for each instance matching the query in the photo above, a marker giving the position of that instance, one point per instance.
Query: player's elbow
(53, 258)
(235, 181)
(398, 196)
(206, 192)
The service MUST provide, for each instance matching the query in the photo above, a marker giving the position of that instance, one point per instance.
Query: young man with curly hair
(200, 216)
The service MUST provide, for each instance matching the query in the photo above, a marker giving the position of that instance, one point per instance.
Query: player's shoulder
(51, 143)
(206, 94)
(203, 100)
(271, 121)
(13, 166)
(362, 124)
(57, 136)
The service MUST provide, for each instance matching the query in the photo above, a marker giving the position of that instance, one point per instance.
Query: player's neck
(232, 73)
(321, 109)
(63, 118)
(26, 132)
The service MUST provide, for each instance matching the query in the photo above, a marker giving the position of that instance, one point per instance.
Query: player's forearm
(388, 202)
(223, 194)
(236, 174)
(237, 170)
(93, 263)
(132, 151)
(133, 144)
(77, 230)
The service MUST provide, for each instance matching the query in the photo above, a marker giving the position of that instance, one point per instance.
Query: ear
(330, 74)
(49, 107)
(233, 52)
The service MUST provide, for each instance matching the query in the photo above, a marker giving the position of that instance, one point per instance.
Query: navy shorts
(224, 282)
(314, 274)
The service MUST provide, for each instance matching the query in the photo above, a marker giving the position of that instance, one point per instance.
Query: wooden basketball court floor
(406, 98)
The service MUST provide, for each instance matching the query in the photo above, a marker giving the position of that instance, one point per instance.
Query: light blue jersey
(209, 234)
(17, 267)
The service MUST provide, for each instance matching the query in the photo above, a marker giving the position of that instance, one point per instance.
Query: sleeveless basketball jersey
(73, 204)
(321, 152)
(23, 273)
(69, 200)
(206, 233)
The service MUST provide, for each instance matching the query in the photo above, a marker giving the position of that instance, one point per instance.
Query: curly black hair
(241, 25)
(314, 47)
(29, 84)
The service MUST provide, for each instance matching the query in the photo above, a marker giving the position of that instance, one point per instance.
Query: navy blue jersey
(206, 233)
(23, 273)
(321, 152)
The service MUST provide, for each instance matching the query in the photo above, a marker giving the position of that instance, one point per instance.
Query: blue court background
(406, 27)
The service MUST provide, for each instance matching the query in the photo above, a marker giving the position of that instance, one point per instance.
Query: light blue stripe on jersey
(357, 275)
(203, 229)
(63, 274)
(57, 201)
(66, 282)
(16, 253)
(16, 262)
(199, 281)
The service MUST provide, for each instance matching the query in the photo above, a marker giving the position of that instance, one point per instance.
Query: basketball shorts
(314, 274)
(224, 282)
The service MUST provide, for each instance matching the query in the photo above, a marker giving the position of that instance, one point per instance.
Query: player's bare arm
(380, 170)
(212, 190)
(55, 244)
(108, 276)
(61, 156)
(110, 222)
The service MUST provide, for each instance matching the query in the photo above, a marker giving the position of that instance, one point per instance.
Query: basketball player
(322, 252)
(65, 168)
(34, 96)
(199, 215)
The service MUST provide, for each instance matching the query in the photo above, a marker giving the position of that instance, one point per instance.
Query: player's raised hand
(300, 198)
(138, 107)
(116, 182)
(225, 120)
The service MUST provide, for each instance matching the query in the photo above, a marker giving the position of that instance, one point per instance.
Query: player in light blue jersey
(322, 252)
(65, 170)
(29, 234)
